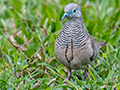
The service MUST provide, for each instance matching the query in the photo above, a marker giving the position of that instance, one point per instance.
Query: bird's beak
(64, 16)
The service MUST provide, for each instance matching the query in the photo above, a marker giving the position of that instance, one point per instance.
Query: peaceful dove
(74, 47)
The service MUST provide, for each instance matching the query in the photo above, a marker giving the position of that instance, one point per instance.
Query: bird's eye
(74, 10)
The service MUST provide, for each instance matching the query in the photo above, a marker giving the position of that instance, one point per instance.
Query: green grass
(33, 65)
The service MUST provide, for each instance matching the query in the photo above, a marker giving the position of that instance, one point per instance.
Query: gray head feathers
(72, 12)
(68, 8)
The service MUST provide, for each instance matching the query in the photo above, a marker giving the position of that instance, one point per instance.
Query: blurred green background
(28, 30)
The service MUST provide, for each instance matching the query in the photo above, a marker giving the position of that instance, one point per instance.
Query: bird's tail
(101, 44)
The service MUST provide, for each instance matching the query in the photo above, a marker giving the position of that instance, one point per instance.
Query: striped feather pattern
(72, 36)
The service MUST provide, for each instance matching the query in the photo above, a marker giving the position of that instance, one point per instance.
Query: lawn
(28, 30)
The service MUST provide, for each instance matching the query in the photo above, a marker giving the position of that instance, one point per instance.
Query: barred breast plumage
(73, 36)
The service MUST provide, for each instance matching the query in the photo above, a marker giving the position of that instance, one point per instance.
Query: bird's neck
(75, 25)
(75, 21)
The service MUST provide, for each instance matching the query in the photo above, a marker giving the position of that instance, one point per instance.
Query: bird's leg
(69, 74)
(86, 74)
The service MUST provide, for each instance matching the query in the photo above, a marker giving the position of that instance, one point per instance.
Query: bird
(74, 47)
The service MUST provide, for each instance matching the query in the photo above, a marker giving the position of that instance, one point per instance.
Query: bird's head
(72, 11)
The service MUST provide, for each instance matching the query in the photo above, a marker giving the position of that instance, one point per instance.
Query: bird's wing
(94, 47)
